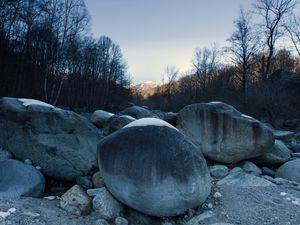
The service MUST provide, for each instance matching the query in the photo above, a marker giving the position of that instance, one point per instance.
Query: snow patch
(246, 116)
(6, 214)
(149, 122)
(27, 102)
(215, 102)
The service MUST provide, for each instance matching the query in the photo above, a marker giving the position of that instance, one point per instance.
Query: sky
(154, 34)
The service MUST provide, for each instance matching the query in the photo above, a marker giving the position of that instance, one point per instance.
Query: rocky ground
(271, 205)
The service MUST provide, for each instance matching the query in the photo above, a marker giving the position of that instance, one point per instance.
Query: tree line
(259, 79)
(46, 53)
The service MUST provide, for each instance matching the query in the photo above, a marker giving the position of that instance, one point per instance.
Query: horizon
(156, 34)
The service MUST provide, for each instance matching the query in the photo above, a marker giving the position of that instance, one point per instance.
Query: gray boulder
(100, 117)
(277, 155)
(218, 171)
(106, 206)
(137, 112)
(223, 133)
(290, 171)
(116, 122)
(150, 166)
(76, 201)
(238, 178)
(18, 179)
(61, 142)
(250, 167)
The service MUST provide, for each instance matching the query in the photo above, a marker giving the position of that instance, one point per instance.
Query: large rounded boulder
(150, 166)
(61, 142)
(224, 134)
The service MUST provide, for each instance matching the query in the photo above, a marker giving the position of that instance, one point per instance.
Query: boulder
(76, 201)
(222, 133)
(290, 171)
(18, 179)
(238, 178)
(106, 206)
(116, 122)
(250, 167)
(277, 155)
(218, 171)
(283, 135)
(150, 166)
(61, 142)
(137, 112)
(100, 117)
(5, 154)
(169, 117)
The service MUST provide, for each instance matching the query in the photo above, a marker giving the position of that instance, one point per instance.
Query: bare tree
(243, 47)
(170, 75)
(293, 30)
(273, 13)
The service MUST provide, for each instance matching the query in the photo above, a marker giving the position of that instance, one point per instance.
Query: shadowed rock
(61, 142)
(154, 169)
(223, 133)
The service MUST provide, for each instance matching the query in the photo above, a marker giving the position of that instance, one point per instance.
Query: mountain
(146, 89)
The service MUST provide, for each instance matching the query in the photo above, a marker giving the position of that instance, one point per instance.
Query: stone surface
(100, 117)
(61, 142)
(93, 192)
(18, 179)
(101, 222)
(76, 201)
(222, 133)
(116, 122)
(137, 112)
(277, 155)
(154, 169)
(97, 180)
(198, 219)
(290, 171)
(5, 154)
(121, 221)
(106, 206)
(238, 178)
(250, 167)
(219, 171)
(267, 171)
(283, 135)
(84, 182)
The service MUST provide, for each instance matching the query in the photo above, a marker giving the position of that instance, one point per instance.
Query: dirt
(278, 205)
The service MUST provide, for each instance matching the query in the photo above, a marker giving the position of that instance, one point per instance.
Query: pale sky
(155, 33)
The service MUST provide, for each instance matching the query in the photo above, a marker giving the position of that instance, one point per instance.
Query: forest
(48, 53)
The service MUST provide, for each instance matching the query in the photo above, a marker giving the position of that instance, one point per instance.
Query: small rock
(76, 201)
(101, 222)
(84, 182)
(97, 180)
(121, 221)
(210, 205)
(222, 224)
(280, 181)
(28, 162)
(166, 223)
(106, 206)
(296, 155)
(268, 171)
(219, 171)
(250, 167)
(217, 195)
(93, 192)
(290, 170)
(238, 178)
(100, 117)
(201, 217)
